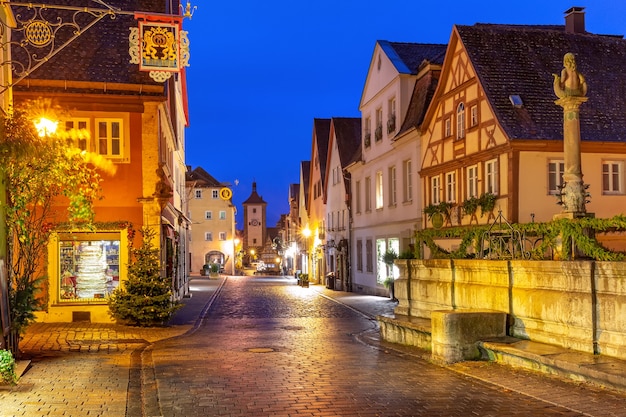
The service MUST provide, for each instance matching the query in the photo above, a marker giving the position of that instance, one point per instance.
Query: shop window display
(89, 269)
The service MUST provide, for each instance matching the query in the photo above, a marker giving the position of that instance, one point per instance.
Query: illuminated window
(77, 132)
(379, 190)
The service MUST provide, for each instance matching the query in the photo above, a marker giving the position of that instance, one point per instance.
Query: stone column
(571, 88)
(573, 197)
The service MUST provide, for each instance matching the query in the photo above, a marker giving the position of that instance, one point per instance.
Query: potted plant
(7, 368)
(304, 280)
(388, 258)
(470, 206)
(215, 270)
(487, 203)
(389, 284)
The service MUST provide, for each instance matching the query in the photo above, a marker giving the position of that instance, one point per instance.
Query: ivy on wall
(561, 235)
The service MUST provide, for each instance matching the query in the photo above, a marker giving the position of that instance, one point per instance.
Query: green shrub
(7, 367)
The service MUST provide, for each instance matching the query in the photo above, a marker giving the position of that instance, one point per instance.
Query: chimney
(575, 20)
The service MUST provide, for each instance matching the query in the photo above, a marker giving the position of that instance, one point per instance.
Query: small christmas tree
(145, 299)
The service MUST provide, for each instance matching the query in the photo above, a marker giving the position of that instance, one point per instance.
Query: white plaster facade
(386, 201)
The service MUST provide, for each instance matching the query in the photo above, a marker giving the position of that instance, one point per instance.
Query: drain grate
(261, 350)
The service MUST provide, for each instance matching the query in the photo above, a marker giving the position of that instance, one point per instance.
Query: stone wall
(575, 304)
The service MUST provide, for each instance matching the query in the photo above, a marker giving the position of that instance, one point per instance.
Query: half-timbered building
(493, 126)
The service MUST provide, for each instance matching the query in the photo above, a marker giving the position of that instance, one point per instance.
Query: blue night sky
(261, 71)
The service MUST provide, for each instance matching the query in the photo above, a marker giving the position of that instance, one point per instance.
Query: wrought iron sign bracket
(40, 34)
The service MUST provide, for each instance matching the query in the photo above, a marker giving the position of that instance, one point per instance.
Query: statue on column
(571, 89)
(570, 82)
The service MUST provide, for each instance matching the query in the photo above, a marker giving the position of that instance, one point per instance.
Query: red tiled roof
(520, 60)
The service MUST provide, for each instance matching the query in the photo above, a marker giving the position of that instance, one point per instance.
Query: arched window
(460, 121)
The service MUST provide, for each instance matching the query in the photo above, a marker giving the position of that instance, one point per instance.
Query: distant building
(212, 215)
(344, 147)
(316, 201)
(254, 224)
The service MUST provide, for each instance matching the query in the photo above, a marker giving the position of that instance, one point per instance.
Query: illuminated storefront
(84, 270)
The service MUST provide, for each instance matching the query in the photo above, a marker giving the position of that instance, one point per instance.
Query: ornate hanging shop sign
(160, 48)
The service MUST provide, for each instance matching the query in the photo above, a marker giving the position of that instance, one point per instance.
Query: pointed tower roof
(254, 197)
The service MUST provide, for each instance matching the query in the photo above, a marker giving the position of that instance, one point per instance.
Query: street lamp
(46, 127)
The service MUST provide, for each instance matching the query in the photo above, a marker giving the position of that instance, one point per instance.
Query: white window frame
(109, 140)
(379, 190)
(393, 188)
(407, 173)
(222, 215)
(492, 177)
(215, 194)
(447, 130)
(208, 215)
(474, 115)
(556, 169)
(460, 121)
(472, 181)
(612, 177)
(451, 187)
(198, 194)
(78, 131)
(222, 236)
(435, 189)
(208, 236)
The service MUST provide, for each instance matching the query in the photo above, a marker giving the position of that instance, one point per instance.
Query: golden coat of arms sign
(160, 48)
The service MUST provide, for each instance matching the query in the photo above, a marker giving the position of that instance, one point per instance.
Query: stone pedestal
(573, 193)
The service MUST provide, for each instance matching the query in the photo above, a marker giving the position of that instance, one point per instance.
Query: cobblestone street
(266, 347)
